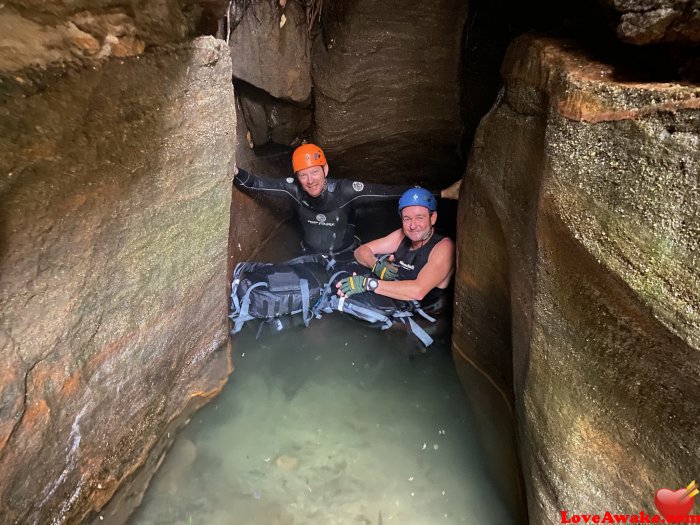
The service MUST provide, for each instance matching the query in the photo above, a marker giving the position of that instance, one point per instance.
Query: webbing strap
(260, 328)
(420, 333)
(422, 313)
(304, 259)
(324, 304)
(372, 315)
(315, 258)
(235, 305)
(368, 314)
(244, 314)
(304, 285)
(236, 279)
(327, 286)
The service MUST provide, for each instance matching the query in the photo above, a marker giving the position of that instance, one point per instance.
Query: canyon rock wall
(386, 81)
(654, 21)
(254, 217)
(271, 49)
(577, 288)
(115, 196)
(271, 53)
(379, 79)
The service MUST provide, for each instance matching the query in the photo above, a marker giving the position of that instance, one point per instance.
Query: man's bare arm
(366, 254)
(437, 271)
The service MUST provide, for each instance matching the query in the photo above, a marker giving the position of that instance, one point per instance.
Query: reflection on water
(334, 424)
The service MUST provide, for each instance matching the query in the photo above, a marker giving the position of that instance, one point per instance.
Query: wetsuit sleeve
(361, 192)
(270, 186)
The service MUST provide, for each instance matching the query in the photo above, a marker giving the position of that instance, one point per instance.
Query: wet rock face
(270, 119)
(578, 269)
(654, 21)
(387, 89)
(41, 39)
(38, 33)
(115, 211)
(255, 217)
(271, 49)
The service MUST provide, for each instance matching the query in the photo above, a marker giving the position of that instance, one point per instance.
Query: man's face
(312, 179)
(417, 222)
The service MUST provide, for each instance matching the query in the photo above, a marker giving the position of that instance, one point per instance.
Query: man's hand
(385, 269)
(352, 285)
(235, 169)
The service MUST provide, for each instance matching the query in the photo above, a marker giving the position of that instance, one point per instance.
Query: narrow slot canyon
(575, 132)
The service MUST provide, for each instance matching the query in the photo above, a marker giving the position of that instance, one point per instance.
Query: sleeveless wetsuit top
(411, 262)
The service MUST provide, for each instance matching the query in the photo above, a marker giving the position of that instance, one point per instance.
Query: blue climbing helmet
(418, 197)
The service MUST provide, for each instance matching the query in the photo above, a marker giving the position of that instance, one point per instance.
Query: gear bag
(373, 308)
(268, 291)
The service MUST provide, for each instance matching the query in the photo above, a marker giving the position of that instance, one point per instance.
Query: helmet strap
(427, 236)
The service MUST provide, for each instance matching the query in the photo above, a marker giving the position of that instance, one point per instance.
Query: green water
(331, 425)
(339, 424)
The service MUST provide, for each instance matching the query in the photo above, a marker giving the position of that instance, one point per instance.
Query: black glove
(385, 269)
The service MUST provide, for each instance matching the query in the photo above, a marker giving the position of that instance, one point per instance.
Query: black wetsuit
(324, 219)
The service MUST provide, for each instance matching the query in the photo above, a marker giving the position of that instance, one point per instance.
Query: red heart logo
(673, 503)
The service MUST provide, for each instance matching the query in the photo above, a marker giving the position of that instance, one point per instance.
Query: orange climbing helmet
(307, 155)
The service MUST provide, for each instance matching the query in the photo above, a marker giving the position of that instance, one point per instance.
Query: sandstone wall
(271, 49)
(379, 81)
(115, 196)
(387, 90)
(271, 52)
(578, 271)
(653, 21)
(255, 217)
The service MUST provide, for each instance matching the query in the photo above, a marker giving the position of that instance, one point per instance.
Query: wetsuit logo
(321, 218)
(358, 186)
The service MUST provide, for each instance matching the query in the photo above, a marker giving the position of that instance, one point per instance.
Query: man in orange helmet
(324, 205)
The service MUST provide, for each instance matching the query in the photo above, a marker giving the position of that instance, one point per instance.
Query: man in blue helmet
(421, 263)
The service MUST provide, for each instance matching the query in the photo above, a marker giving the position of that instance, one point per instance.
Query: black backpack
(268, 291)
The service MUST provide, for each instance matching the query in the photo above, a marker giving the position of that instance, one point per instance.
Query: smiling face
(313, 179)
(417, 223)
